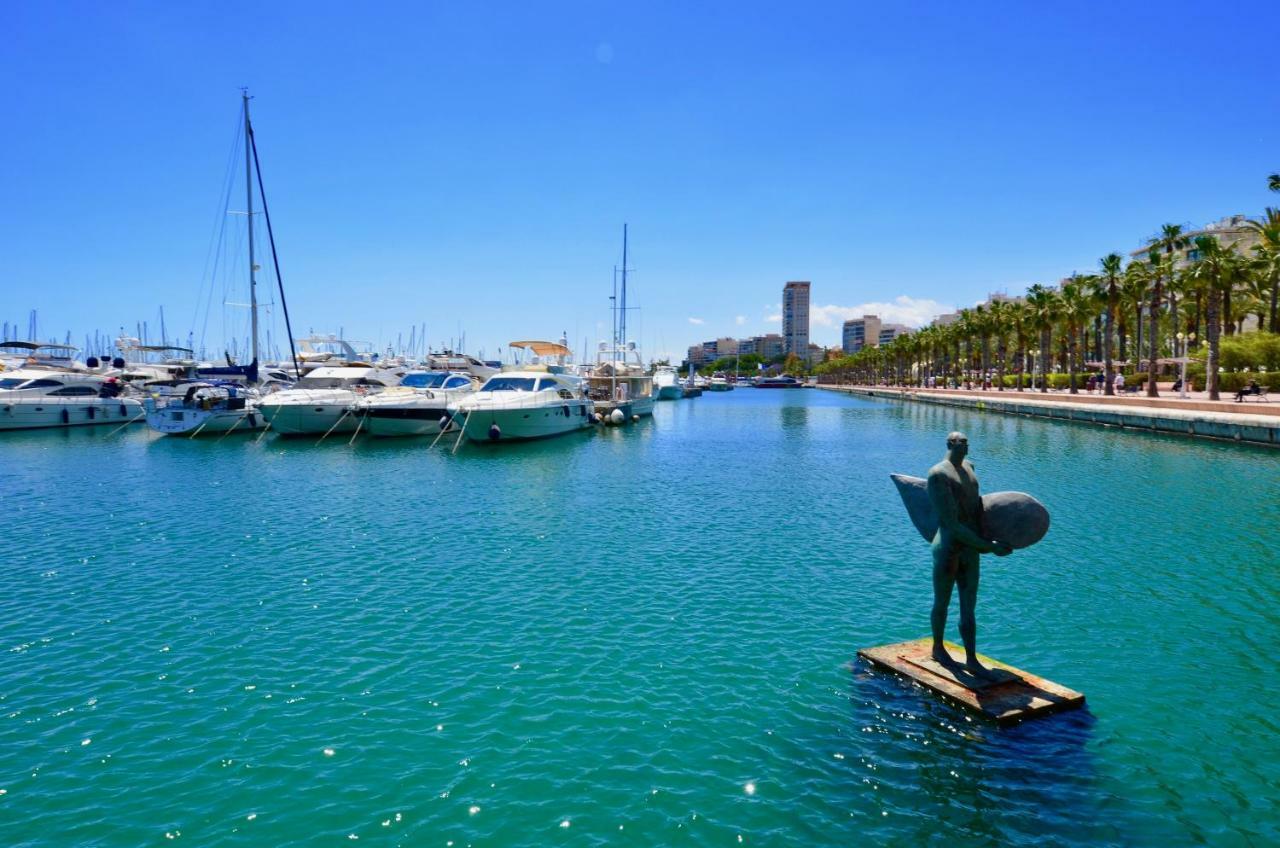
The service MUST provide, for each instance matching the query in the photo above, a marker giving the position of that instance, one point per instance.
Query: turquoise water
(635, 636)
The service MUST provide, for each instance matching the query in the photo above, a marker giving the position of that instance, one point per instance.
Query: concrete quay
(1252, 423)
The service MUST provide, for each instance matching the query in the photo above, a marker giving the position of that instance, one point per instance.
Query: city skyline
(473, 171)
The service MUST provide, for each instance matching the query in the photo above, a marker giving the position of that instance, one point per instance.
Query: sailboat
(619, 385)
(216, 399)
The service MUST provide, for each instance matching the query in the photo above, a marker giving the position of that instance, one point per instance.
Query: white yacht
(461, 363)
(204, 408)
(529, 402)
(321, 402)
(422, 405)
(666, 380)
(719, 383)
(46, 397)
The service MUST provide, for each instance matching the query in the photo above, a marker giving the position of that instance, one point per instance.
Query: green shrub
(1235, 381)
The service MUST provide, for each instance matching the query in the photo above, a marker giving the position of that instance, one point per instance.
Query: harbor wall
(1235, 427)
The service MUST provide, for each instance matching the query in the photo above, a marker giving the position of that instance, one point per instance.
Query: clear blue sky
(471, 165)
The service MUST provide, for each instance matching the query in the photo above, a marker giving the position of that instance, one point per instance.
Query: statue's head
(957, 445)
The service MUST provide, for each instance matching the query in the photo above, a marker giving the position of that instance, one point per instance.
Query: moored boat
(666, 381)
(525, 403)
(322, 401)
(204, 408)
(45, 397)
(422, 405)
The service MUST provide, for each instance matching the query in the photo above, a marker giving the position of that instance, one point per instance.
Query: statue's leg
(943, 579)
(967, 582)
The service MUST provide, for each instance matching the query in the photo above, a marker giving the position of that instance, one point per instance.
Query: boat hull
(670, 393)
(405, 422)
(317, 418)
(184, 422)
(30, 414)
(521, 424)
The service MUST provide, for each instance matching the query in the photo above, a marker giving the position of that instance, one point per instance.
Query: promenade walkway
(1196, 415)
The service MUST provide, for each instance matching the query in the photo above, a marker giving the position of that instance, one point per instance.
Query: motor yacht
(719, 383)
(422, 405)
(322, 401)
(204, 408)
(47, 397)
(528, 402)
(782, 381)
(666, 381)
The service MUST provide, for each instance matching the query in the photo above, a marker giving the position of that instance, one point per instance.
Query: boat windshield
(11, 382)
(431, 380)
(509, 384)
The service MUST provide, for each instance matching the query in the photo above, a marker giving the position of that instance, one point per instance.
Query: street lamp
(1035, 354)
(1184, 341)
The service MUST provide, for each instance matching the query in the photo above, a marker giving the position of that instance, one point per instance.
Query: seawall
(1253, 428)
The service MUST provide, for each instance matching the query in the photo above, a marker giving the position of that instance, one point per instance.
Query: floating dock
(1011, 696)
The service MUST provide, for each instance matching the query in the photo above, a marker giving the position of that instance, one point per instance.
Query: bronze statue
(953, 494)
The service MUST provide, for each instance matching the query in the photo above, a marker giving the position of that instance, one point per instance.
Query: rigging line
(215, 243)
(275, 260)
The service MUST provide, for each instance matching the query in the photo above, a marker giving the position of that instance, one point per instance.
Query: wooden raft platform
(1013, 696)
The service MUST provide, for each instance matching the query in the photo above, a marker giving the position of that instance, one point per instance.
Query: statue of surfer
(953, 493)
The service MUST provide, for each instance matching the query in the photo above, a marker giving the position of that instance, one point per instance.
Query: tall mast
(622, 319)
(248, 193)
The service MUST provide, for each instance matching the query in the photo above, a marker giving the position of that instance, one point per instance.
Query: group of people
(1097, 382)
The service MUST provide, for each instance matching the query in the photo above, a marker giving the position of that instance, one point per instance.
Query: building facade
(795, 318)
(889, 332)
(858, 333)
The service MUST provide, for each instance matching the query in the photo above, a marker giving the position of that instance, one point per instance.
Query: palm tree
(1109, 291)
(1074, 312)
(1044, 311)
(1022, 324)
(1273, 182)
(1215, 270)
(1169, 242)
(1000, 321)
(1267, 262)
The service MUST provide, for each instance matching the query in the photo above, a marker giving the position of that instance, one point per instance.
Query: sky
(469, 166)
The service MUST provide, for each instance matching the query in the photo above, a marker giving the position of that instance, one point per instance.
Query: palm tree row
(1122, 318)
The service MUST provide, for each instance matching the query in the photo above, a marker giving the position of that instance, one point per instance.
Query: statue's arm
(944, 504)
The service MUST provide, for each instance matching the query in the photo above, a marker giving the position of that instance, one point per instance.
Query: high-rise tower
(795, 318)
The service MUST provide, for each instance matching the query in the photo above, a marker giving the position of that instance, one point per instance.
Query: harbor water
(631, 636)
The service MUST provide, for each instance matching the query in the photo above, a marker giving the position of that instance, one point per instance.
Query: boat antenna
(248, 193)
(271, 237)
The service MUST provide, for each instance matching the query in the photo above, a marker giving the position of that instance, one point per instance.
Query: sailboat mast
(248, 192)
(623, 314)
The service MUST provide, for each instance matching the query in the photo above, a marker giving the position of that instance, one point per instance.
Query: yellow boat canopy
(543, 348)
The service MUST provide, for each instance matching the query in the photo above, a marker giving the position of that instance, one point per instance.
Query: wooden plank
(1015, 696)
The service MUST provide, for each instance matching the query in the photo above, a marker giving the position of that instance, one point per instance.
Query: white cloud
(740, 320)
(696, 321)
(776, 318)
(903, 309)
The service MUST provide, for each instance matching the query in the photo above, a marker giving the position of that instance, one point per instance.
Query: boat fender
(445, 419)
(93, 412)
(253, 422)
(495, 432)
(66, 417)
(598, 417)
(122, 410)
(617, 416)
(635, 418)
(566, 410)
